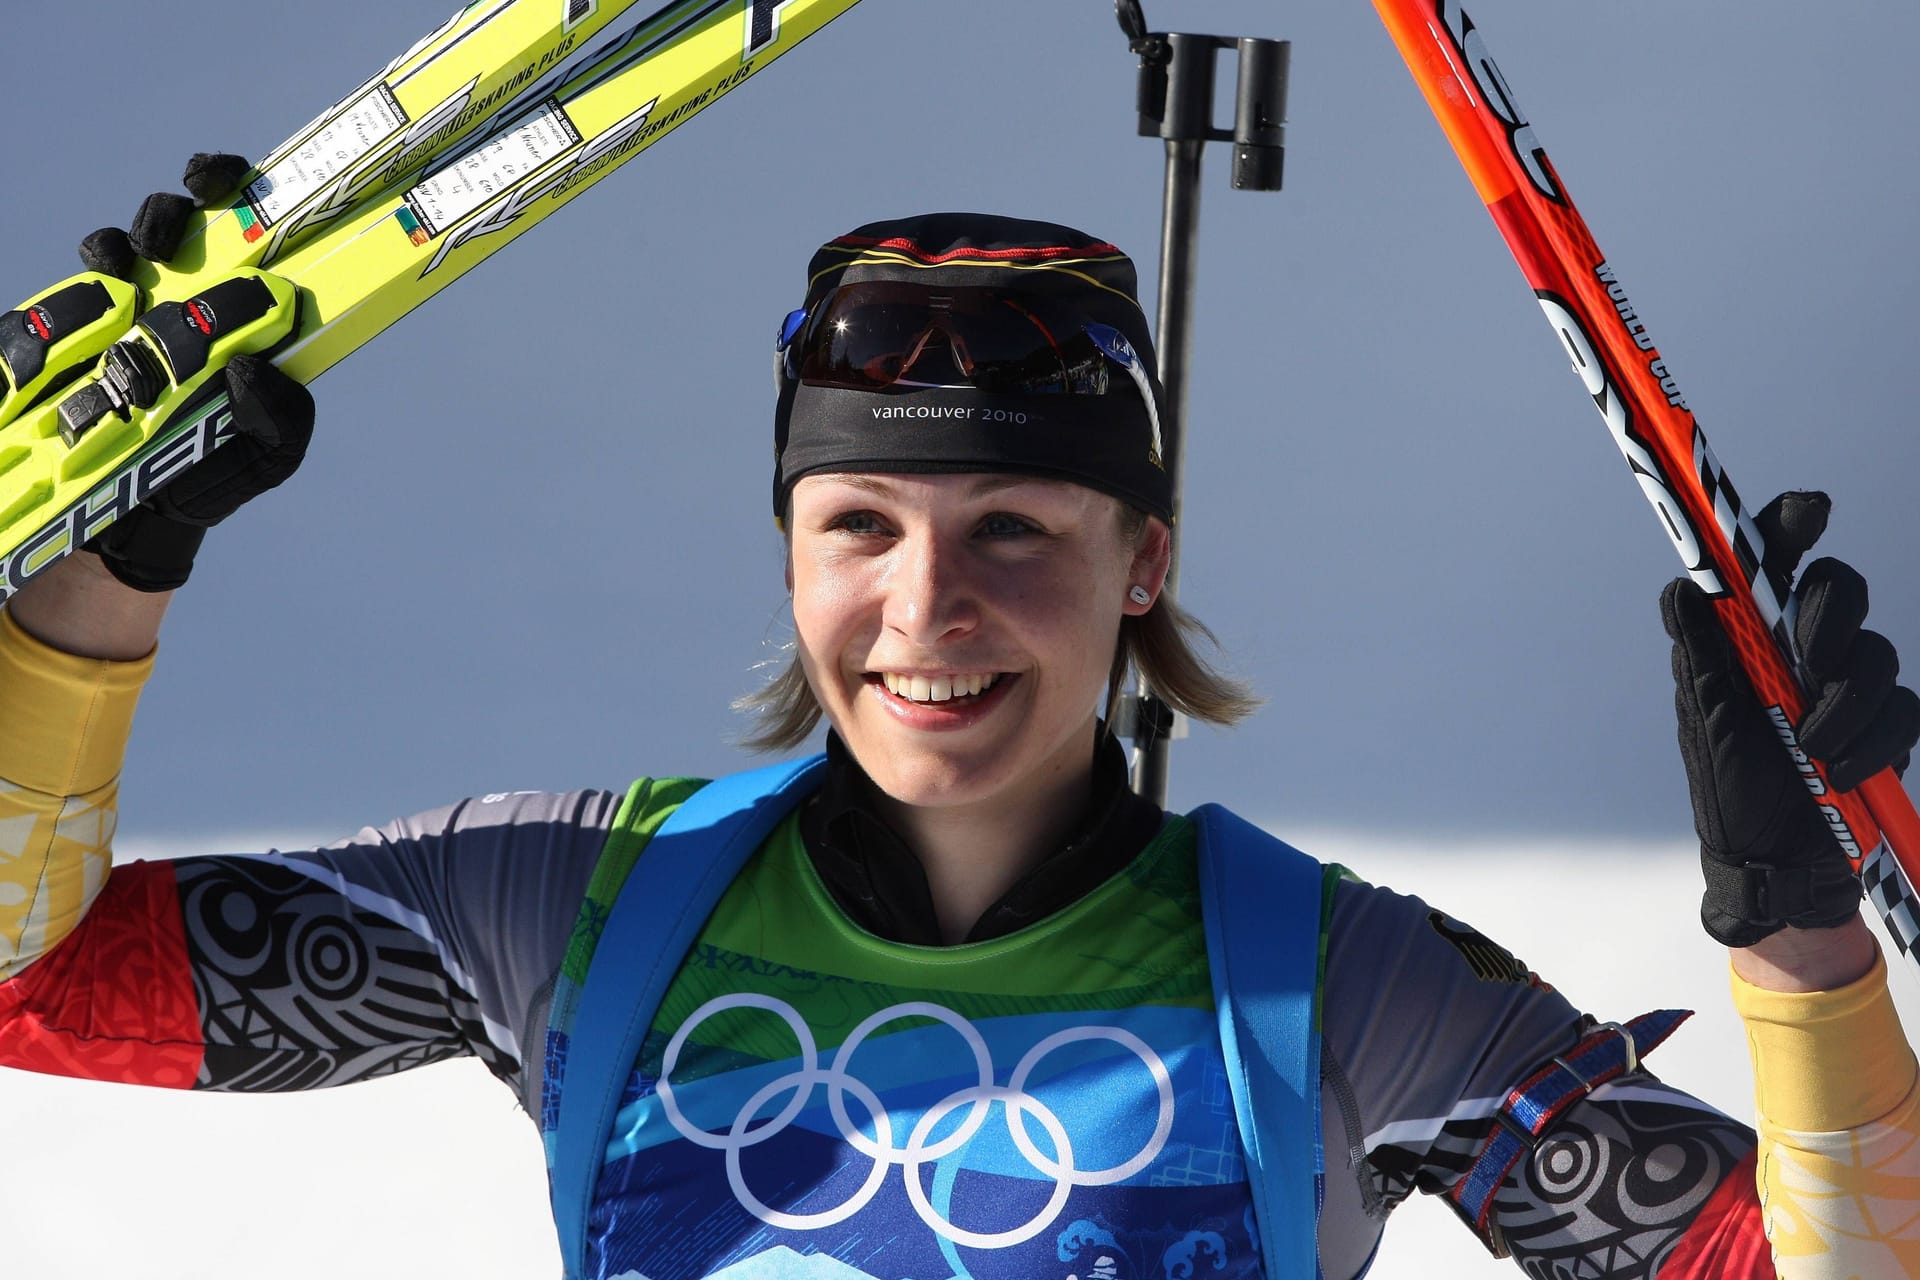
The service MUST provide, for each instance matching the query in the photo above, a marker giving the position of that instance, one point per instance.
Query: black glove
(1767, 854)
(152, 548)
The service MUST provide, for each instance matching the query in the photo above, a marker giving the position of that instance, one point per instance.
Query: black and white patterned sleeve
(435, 936)
(1428, 1024)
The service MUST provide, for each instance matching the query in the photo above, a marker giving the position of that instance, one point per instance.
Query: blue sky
(531, 548)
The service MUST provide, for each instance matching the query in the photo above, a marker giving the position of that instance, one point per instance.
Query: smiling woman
(962, 921)
(924, 580)
(1025, 361)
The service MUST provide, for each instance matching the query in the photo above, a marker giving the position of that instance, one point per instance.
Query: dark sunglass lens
(861, 346)
(1013, 350)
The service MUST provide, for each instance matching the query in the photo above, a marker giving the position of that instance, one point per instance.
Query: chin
(950, 774)
(934, 779)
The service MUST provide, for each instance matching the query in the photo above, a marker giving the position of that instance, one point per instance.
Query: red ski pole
(1616, 360)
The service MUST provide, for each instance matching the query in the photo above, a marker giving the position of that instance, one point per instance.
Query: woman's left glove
(1766, 851)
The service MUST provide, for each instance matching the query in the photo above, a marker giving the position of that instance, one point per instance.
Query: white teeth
(935, 688)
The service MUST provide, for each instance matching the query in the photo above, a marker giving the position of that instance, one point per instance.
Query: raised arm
(1836, 1084)
(76, 643)
(80, 637)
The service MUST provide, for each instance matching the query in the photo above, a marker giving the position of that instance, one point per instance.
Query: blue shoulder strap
(1261, 901)
(688, 865)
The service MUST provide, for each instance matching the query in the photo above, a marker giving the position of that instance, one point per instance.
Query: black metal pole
(1173, 338)
(1175, 103)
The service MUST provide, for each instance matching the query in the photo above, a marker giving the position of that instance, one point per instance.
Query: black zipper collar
(876, 879)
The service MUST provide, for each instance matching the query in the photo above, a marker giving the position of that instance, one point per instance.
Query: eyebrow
(995, 483)
(985, 486)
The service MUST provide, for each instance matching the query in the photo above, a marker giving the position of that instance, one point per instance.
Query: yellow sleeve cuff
(64, 720)
(1826, 1061)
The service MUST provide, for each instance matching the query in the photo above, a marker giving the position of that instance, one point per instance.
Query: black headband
(1108, 442)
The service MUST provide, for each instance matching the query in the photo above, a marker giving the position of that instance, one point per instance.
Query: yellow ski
(72, 465)
(459, 77)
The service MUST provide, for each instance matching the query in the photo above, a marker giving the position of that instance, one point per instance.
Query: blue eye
(1001, 524)
(856, 522)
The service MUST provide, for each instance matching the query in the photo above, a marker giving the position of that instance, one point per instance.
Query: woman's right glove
(1767, 854)
(152, 547)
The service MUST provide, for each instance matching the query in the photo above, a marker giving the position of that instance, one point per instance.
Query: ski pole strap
(1606, 1053)
(687, 865)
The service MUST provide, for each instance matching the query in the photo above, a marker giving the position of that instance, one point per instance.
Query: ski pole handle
(1648, 418)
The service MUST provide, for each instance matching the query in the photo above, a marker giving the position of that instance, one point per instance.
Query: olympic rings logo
(919, 1149)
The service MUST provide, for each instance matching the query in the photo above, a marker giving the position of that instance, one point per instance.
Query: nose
(933, 596)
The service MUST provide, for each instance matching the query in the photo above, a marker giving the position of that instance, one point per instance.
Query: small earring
(1139, 594)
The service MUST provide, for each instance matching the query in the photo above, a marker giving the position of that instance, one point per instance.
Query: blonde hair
(1158, 647)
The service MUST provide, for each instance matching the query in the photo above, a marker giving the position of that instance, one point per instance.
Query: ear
(1152, 560)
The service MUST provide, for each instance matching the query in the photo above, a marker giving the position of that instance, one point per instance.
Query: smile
(936, 688)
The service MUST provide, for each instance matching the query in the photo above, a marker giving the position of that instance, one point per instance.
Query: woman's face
(910, 592)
